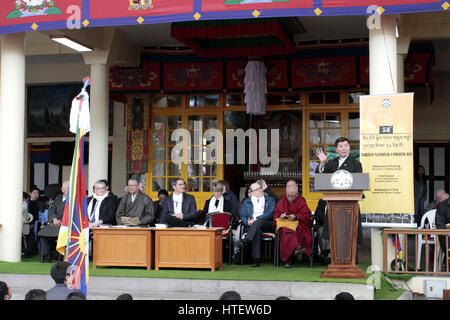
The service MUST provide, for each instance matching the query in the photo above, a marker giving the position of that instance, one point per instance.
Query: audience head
(282, 298)
(178, 185)
(344, 296)
(106, 183)
(65, 188)
(217, 190)
(100, 188)
(5, 291)
(291, 191)
(76, 295)
(420, 173)
(141, 187)
(256, 190)
(133, 185)
(125, 296)
(230, 295)
(60, 272)
(342, 145)
(36, 294)
(441, 195)
(224, 184)
(34, 193)
(162, 195)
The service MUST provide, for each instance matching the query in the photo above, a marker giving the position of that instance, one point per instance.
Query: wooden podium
(342, 195)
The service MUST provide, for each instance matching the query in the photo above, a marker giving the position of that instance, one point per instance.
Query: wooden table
(131, 247)
(188, 248)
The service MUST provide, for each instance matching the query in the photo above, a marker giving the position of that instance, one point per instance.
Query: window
(211, 100)
(198, 166)
(323, 129)
(333, 97)
(163, 101)
(163, 168)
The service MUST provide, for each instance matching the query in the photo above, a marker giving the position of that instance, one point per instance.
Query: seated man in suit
(102, 205)
(135, 208)
(179, 209)
(257, 217)
(49, 233)
(294, 225)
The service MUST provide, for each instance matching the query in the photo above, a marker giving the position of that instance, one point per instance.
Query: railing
(400, 266)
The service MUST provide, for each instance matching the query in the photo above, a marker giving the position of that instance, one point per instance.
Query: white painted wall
(37, 73)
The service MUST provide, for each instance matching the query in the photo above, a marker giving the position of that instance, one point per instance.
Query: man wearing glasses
(257, 216)
(179, 209)
(135, 208)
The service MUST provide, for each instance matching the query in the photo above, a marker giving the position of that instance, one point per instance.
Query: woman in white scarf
(100, 193)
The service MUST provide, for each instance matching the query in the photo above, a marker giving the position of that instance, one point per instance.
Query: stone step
(108, 288)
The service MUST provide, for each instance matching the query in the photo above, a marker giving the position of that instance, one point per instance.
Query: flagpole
(86, 82)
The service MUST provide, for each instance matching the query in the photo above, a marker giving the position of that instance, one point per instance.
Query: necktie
(92, 215)
(217, 203)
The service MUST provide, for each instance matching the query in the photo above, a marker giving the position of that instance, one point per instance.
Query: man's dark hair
(174, 181)
(59, 271)
(36, 294)
(230, 295)
(3, 290)
(76, 295)
(164, 192)
(25, 196)
(282, 298)
(125, 296)
(344, 296)
(35, 188)
(340, 139)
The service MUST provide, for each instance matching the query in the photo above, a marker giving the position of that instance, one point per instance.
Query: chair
(430, 216)
(316, 243)
(270, 241)
(222, 220)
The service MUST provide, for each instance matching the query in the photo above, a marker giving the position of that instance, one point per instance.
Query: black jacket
(108, 208)
(188, 207)
(443, 214)
(350, 164)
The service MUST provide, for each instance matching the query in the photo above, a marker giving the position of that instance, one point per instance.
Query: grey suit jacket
(56, 210)
(59, 292)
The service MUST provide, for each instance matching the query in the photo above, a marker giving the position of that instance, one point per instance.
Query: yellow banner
(387, 153)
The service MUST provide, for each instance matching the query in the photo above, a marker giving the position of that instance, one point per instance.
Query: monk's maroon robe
(290, 239)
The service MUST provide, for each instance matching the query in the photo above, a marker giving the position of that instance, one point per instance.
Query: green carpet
(267, 272)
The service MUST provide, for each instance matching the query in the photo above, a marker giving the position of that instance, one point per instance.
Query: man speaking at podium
(343, 162)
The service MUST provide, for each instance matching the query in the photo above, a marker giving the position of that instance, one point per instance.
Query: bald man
(292, 207)
(441, 195)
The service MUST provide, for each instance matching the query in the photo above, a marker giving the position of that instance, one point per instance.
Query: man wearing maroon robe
(293, 207)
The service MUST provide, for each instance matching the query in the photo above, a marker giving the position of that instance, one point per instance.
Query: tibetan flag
(73, 238)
